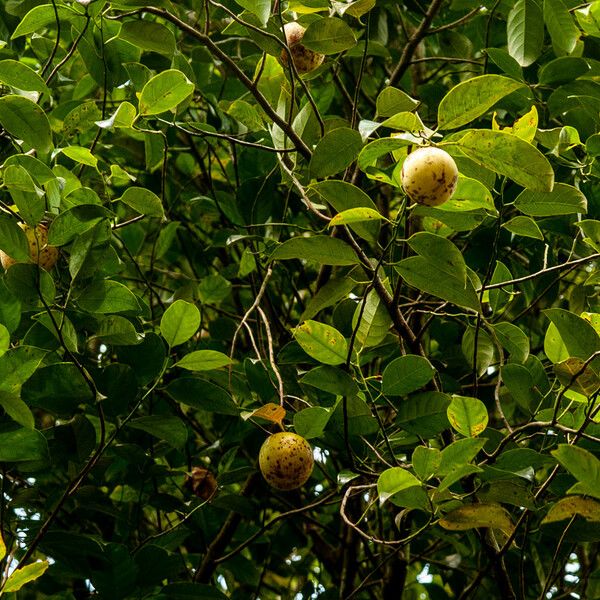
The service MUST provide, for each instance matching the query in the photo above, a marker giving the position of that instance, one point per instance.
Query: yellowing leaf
(270, 412)
(471, 516)
(574, 505)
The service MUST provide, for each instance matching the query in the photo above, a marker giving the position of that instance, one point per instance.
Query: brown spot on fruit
(39, 251)
(305, 60)
(429, 176)
(286, 460)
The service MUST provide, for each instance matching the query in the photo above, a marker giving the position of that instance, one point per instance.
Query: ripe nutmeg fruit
(286, 460)
(305, 60)
(43, 255)
(429, 176)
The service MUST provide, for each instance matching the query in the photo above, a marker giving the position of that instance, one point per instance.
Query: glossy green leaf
(26, 121)
(322, 342)
(472, 98)
(525, 30)
(329, 36)
(524, 226)
(20, 76)
(41, 16)
(406, 374)
(393, 481)
(337, 150)
(179, 322)
(428, 277)
(168, 428)
(204, 360)
(317, 248)
(143, 201)
(165, 92)
(560, 25)
(562, 200)
(392, 100)
(21, 445)
(468, 416)
(148, 35)
(511, 156)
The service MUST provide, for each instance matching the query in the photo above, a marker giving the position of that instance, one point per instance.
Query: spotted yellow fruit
(286, 460)
(305, 60)
(429, 176)
(39, 251)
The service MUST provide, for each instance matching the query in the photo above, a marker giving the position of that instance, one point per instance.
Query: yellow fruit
(286, 460)
(39, 251)
(429, 176)
(305, 60)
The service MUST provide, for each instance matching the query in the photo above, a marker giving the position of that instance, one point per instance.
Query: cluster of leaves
(237, 255)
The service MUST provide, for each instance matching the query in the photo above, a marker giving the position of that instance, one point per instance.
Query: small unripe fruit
(286, 460)
(305, 60)
(429, 176)
(39, 251)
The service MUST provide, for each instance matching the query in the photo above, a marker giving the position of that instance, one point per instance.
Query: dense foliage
(237, 255)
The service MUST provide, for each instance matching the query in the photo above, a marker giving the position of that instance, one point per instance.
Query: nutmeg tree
(359, 234)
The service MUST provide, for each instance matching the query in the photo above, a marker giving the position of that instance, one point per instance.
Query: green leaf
(513, 339)
(71, 223)
(165, 427)
(471, 516)
(16, 409)
(566, 508)
(13, 240)
(583, 465)
(337, 150)
(202, 395)
(485, 349)
(23, 445)
(376, 149)
(322, 342)
(562, 200)
(395, 480)
(332, 380)
(578, 336)
(18, 75)
(427, 277)
(107, 296)
(24, 575)
(25, 194)
(375, 321)
(406, 374)
(149, 35)
(468, 416)
(204, 360)
(179, 322)
(572, 374)
(26, 121)
(40, 17)
(260, 8)
(165, 92)
(472, 98)
(343, 196)
(441, 252)
(321, 249)
(143, 201)
(328, 36)
(424, 414)
(81, 155)
(310, 423)
(391, 100)
(560, 25)
(27, 282)
(426, 461)
(589, 19)
(525, 31)
(355, 215)
(4, 339)
(470, 194)
(521, 385)
(118, 330)
(459, 453)
(509, 155)
(525, 226)
(331, 293)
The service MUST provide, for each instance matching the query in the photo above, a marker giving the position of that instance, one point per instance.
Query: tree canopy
(237, 256)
